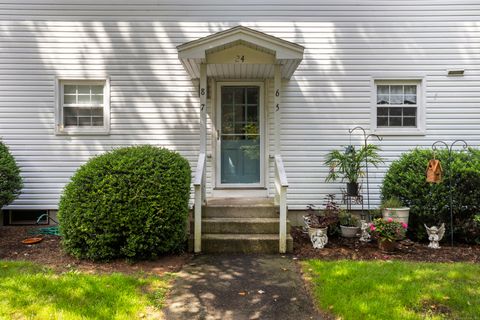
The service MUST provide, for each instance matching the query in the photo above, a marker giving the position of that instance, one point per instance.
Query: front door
(240, 135)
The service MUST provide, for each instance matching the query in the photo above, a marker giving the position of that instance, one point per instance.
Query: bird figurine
(435, 235)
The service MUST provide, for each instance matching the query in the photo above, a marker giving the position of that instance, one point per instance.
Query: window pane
(252, 114)
(85, 89)
(97, 121)
(396, 99)
(70, 121)
(410, 99)
(395, 111)
(239, 95)
(69, 99)
(97, 89)
(83, 99)
(97, 99)
(252, 95)
(69, 89)
(383, 90)
(411, 89)
(398, 89)
(227, 95)
(84, 121)
(382, 99)
(70, 112)
(395, 122)
(382, 111)
(409, 122)
(409, 111)
(98, 112)
(382, 121)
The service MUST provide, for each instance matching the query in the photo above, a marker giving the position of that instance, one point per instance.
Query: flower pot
(349, 232)
(387, 245)
(352, 189)
(397, 214)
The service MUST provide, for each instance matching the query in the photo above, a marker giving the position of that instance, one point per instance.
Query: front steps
(241, 225)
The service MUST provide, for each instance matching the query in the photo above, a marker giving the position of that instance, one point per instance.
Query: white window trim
(59, 127)
(421, 104)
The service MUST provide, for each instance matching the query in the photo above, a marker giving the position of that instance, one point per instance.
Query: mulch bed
(339, 248)
(49, 253)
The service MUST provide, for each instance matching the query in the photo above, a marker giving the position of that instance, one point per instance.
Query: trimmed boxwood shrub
(429, 203)
(130, 202)
(10, 179)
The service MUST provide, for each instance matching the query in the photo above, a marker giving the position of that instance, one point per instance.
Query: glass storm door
(239, 136)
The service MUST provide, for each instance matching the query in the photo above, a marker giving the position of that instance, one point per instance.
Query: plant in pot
(318, 223)
(350, 165)
(394, 208)
(387, 232)
(348, 224)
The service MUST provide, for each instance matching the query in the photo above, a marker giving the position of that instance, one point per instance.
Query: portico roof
(240, 52)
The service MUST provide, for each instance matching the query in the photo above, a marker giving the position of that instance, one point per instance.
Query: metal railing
(199, 189)
(281, 185)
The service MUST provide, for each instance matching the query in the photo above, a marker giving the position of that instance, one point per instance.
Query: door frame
(218, 127)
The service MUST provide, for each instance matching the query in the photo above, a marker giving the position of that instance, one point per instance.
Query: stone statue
(365, 236)
(435, 235)
(319, 238)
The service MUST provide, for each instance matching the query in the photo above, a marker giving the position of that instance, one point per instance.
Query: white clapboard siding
(153, 100)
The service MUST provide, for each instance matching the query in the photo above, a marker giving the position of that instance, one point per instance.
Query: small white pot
(349, 232)
(397, 214)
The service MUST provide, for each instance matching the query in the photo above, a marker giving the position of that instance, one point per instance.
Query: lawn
(34, 292)
(395, 289)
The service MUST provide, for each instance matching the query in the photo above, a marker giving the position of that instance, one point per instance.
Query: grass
(30, 291)
(395, 290)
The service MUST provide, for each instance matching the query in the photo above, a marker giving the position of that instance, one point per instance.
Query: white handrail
(281, 185)
(199, 188)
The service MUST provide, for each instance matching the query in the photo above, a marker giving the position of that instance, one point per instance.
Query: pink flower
(404, 225)
(390, 220)
(372, 227)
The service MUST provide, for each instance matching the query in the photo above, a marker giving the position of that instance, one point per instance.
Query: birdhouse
(434, 171)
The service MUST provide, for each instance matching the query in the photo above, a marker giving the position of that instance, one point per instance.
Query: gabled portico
(236, 63)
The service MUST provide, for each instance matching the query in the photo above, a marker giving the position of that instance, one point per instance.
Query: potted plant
(394, 208)
(350, 164)
(319, 222)
(348, 224)
(387, 232)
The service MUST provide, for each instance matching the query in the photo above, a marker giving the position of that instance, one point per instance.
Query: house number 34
(239, 58)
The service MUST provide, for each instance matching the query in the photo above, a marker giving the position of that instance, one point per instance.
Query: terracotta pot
(387, 245)
(349, 232)
(397, 214)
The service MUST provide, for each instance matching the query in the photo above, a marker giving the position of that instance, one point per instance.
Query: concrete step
(240, 208)
(243, 243)
(241, 225)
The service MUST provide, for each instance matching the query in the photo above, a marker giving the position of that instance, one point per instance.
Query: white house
(242, 86)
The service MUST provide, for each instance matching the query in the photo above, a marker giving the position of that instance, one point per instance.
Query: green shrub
(429, 203)
(131, 202)
(10, 179)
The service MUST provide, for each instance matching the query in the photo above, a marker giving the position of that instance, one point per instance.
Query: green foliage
(429, 203)
(31, 291)
(10, 179)
(350, 164)
(131, 202)
(395, 290)
(347, 219)
(392, 202)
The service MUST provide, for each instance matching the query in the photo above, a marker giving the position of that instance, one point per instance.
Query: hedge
(131, 202)
(429, 203)
(10, 179)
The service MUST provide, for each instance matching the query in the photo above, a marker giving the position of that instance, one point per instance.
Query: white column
(203, 107)
(277, 80)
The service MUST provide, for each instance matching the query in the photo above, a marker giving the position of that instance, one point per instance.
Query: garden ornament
(365, 236)
(434, 171)
(435, 235)
(307, 221)
(319, 238)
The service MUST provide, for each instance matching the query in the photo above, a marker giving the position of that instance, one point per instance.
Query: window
(397, 106)
(83, 107)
